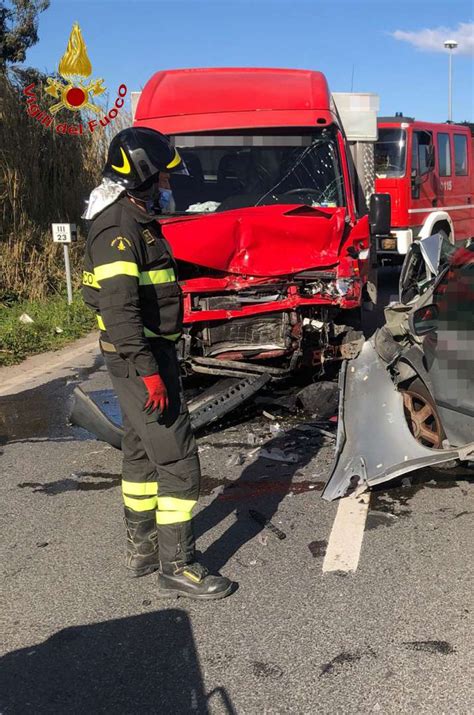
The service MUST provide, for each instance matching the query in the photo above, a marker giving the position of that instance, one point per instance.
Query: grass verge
(55, 324)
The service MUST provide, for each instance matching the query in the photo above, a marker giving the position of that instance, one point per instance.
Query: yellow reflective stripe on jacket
(163, 275)
(89, 279)
(100, 322)
(138, 504)
(139, 489)
(117, 268)
(172, 517)
(174, 504)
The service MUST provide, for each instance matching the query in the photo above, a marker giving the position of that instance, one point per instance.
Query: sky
(391, 48)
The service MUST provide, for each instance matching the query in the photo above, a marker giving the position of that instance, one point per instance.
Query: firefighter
(130, 282)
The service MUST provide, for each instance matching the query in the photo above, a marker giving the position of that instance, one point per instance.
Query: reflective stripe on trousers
(143, 496)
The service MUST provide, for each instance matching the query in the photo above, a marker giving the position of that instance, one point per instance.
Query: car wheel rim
(422, 420)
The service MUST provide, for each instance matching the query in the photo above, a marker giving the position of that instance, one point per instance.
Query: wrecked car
(407, 400)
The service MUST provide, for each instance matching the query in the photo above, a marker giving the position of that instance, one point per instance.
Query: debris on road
(310, 427)
(267, 524)
(319, 399)
(278, 455)
(235, 460)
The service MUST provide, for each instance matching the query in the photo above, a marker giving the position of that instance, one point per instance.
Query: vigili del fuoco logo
(76, 91)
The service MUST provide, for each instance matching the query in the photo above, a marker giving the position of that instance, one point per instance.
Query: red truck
(428, 170)
(271, 229)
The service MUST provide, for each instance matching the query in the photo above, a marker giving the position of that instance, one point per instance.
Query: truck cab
(428, 170)
(272, 242)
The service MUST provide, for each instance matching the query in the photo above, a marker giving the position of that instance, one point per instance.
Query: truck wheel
(422, 416)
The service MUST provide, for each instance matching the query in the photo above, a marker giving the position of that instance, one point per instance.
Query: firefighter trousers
(161, 470)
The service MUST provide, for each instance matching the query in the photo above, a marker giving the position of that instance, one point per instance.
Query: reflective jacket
(130, 281)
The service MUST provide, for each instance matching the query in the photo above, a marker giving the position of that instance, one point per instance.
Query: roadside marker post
(65, 233)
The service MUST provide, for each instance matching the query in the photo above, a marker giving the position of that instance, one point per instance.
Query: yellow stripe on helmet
(174, 161)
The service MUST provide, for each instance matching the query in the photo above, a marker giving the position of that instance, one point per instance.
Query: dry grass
(44, 178)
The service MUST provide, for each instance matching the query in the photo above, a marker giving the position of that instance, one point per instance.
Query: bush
(55, 323)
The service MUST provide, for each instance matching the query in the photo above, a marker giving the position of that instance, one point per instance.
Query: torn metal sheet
(374, 443)
(209, 407)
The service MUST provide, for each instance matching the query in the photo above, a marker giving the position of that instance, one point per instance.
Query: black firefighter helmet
(137, 155)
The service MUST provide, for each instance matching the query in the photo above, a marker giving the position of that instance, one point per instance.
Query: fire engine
(428, 170)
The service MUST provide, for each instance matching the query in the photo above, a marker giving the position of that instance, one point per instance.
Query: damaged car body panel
(426, 342)
(374, 443)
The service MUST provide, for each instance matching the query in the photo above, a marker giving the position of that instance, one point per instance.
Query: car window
(454, 294)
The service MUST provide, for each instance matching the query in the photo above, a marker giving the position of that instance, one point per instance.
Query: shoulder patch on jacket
(121, 243)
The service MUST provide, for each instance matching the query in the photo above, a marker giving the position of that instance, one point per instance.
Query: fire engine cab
(428, 170)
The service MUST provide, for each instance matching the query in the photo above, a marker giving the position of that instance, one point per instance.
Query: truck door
(423, 191)
(461, 195)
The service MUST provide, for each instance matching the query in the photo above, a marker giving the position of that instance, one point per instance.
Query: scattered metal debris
(235, 459)
(262, 519)
(278, 455)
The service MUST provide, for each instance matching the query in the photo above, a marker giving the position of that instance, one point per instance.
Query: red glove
(158, 395)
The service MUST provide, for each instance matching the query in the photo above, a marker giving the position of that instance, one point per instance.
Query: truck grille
(260, 332)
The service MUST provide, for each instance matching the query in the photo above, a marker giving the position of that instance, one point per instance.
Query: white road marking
(347, 533)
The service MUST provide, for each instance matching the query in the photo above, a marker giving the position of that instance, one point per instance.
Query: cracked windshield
(229, 172)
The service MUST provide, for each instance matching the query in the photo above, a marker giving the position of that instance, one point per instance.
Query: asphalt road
(78, 636)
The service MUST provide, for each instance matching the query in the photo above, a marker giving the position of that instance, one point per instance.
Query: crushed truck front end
(273, 254)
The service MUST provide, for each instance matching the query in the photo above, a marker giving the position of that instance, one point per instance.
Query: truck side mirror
(380, 214)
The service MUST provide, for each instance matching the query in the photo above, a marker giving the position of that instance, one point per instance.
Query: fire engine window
(444, 155)
(390, 150)
(460, 154)
(422, 142)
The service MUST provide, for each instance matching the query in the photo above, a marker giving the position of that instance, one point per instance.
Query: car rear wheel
(422, 416)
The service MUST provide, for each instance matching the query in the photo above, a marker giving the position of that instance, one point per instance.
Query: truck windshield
(390, 153)
(228, 171)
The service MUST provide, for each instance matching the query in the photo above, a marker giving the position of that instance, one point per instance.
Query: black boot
(142, 542)
(180, 574)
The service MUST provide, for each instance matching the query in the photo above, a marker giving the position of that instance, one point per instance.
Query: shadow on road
(142, 664)
(262, 485)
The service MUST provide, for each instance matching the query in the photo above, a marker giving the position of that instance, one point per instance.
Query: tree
(18, 28)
